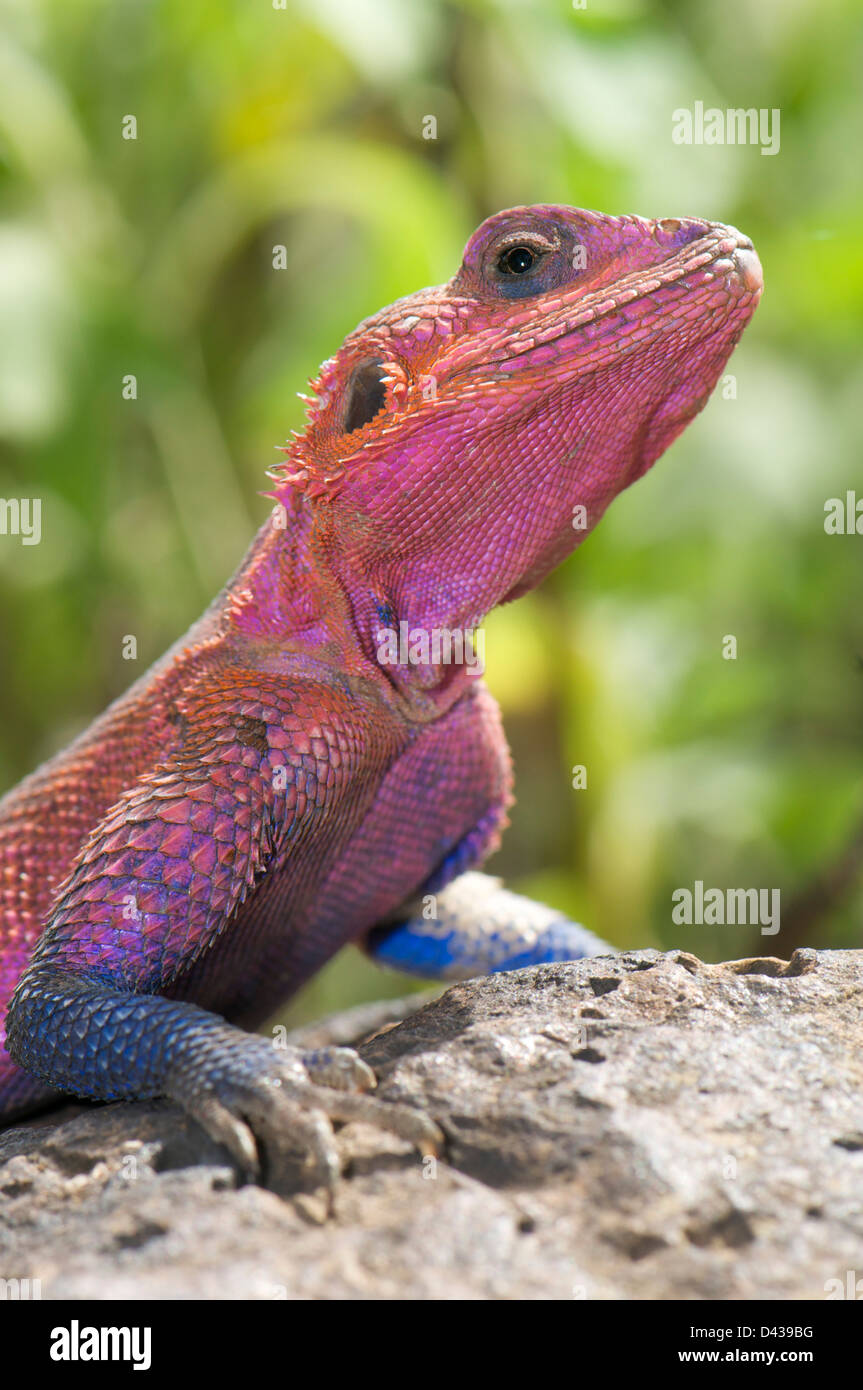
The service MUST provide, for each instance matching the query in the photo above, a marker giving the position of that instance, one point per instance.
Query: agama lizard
(271, 789)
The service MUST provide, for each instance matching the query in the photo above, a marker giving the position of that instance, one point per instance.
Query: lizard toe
(228, 1130)
(340, 1068)
(285, 1125)
(265, 1102)
(413, 1125)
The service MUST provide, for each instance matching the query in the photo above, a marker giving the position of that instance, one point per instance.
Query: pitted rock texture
(642, 1126)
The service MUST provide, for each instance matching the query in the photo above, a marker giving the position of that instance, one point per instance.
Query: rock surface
(640, 1126)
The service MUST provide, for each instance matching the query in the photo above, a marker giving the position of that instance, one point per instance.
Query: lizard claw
(250, 1096)
(409, 1124)
(339, 1067)
(229, 1131)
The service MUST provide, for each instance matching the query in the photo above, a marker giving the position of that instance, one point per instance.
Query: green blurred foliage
(260, 126)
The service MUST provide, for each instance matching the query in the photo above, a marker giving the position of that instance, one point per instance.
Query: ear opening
(366, 394)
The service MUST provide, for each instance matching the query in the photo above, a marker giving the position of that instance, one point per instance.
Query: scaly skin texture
(271, 790)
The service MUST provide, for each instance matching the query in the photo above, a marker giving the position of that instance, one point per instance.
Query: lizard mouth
(737, 279)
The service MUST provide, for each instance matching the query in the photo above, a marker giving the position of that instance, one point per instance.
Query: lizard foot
(252, 1096)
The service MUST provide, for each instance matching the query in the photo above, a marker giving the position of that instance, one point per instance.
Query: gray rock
(642, 1126)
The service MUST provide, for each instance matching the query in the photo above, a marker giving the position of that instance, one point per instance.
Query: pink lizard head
(465, 439)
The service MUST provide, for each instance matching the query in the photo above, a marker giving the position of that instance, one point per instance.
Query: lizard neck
(282, 598)
(306, 594)
(414, 616)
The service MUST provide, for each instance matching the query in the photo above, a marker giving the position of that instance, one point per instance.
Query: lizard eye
(366, 395)
(525, 264)
(517, 260)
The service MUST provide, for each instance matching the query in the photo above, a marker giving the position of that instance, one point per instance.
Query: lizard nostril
(678, 231)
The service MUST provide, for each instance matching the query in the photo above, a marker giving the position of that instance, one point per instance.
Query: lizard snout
(748, 267)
